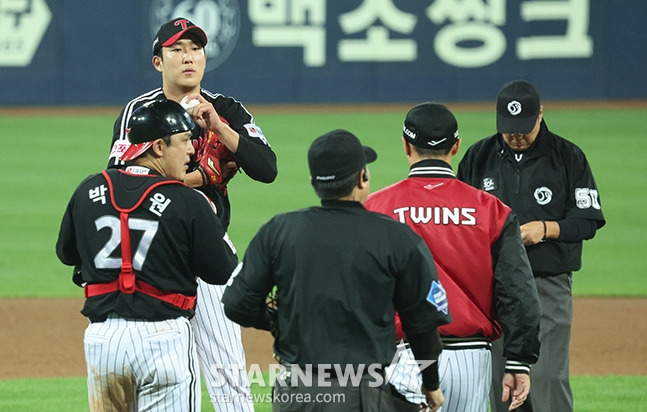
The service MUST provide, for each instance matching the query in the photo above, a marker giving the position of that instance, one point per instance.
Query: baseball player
(226, 140)
(141, 237)
(340, 273)
(480, 259)
(548, 183)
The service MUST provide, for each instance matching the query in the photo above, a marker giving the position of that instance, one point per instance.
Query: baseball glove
(272, 310)
(216, 163)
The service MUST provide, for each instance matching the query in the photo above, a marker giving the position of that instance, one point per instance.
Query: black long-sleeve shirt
(341, 273)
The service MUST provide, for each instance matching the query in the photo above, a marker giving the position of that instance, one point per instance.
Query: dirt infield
(43, 338)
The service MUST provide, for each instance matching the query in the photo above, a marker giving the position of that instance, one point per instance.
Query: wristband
(203, 174)
(543, 239)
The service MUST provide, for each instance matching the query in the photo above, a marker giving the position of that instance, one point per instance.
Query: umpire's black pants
(364, 397)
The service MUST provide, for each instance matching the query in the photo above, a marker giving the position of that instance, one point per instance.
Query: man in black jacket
(548, 183)
(341, 273)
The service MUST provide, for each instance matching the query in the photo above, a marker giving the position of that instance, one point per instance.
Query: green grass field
(45, 157)
(591, 394)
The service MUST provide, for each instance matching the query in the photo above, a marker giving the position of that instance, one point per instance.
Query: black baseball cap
(336, 155)
(173, 30)
(517, 107)
(431, 126)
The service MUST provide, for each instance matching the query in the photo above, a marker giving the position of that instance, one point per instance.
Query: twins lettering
(437, 215)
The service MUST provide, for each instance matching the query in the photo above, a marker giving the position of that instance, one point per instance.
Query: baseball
(189, 105)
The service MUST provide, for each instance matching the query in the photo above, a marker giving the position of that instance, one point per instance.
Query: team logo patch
(489, 184)
(220, 20)
(438, 297)
(543, 195)
(514, 107)
(255, 131)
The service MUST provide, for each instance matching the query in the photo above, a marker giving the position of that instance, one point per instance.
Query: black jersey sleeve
(575, 230)
(244, 297)
(515, 295)
(427, 346)
(583, 197)
(66, 244)
(254, 155)
(213, 255)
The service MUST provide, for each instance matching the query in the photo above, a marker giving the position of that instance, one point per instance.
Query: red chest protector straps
(127, 282)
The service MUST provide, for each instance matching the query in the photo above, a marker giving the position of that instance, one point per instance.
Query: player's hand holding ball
(216, 162)
(203, 113)
(188, 105)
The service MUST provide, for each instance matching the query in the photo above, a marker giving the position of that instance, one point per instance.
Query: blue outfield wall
(89, 52)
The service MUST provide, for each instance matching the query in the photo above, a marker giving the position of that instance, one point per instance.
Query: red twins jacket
(476, 244)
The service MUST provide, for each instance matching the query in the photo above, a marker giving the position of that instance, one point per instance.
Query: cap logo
(514, 107)
(182, 22)
(436, 142)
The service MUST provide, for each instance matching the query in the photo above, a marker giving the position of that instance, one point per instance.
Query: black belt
(473, 342)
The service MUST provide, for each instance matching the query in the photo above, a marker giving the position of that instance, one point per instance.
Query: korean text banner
(290, 51)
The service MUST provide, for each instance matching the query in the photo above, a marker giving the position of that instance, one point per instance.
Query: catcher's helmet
(153, 121)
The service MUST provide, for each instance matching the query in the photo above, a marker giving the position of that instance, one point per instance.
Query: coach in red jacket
(481, 262)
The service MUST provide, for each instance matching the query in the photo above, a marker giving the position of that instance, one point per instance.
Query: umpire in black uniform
(548, 183)
(341, 273)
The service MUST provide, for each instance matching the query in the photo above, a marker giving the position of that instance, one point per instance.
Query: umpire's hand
(435, 400)
(516, 387)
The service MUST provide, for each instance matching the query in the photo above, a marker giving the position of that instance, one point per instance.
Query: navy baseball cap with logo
(336, 155)
(517, 107)
(174, 30)
(431, 126)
